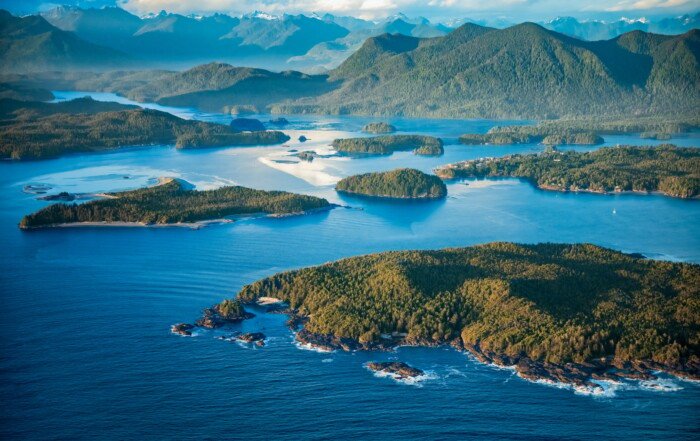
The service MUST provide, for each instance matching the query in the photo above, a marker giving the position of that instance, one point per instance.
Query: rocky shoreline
(583, 377)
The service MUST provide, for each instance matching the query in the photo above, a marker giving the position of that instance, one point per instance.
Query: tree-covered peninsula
(404, 183)
(172, 202)
(667, 169)
(37, 130)
(559, 312)
(583, 131)
(384, 145)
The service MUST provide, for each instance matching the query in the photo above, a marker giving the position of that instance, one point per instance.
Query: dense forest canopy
(400, 183)
(35, 130)
(384, 145)
(668, 169)
(551, 302)
(170, 202)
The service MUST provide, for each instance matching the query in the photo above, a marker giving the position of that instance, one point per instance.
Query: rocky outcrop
(303, 138)
(256, 338)
(280, 122)
(228, 311)
(182, 329)
(397, 369)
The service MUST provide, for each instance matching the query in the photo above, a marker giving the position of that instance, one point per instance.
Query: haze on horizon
(434, 10)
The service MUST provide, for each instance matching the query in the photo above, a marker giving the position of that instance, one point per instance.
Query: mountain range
(605, 30)
(313, 43)
(523, 72)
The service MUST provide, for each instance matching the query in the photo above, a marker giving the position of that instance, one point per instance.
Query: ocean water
(87, 352)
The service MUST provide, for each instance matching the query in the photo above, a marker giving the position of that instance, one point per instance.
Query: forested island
(384, 145)
(379, 127)
(582, 131)
(172, 202)
(667, 169)
(37, 130)
(570, 313)
(404, 183)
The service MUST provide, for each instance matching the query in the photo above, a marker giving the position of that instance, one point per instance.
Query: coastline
(553, 188)
(584, 378)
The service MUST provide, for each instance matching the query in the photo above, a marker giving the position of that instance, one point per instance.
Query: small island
(569, 313)
(404, 183)
(666, 169)
(384, 145)
(172, 202)
(379, 128)
(38, 130)
(396, 369)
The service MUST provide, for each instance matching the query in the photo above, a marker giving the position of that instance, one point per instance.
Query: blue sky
(516, 10)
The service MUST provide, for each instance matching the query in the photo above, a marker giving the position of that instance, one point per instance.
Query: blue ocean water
(87, 352)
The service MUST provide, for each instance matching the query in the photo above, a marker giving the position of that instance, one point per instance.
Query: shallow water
(86, 312)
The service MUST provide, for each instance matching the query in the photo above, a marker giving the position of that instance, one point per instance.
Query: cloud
(632, 5)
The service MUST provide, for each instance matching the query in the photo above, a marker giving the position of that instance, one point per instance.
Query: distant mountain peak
(261, 15)
(634, 20)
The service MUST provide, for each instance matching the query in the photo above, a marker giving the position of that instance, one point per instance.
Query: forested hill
(32, 44)
(550, 302)
(524, 71)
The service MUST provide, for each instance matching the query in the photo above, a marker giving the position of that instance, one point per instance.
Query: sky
(516, 10)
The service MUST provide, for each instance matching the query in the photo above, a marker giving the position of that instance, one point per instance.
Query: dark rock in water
(397, 368)
(279, 121)
(306, 156)
(303, 138)
(126, 177)
(228, 311)
(182, 329)
(247, 125)
(62, 196)
(252, 337)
